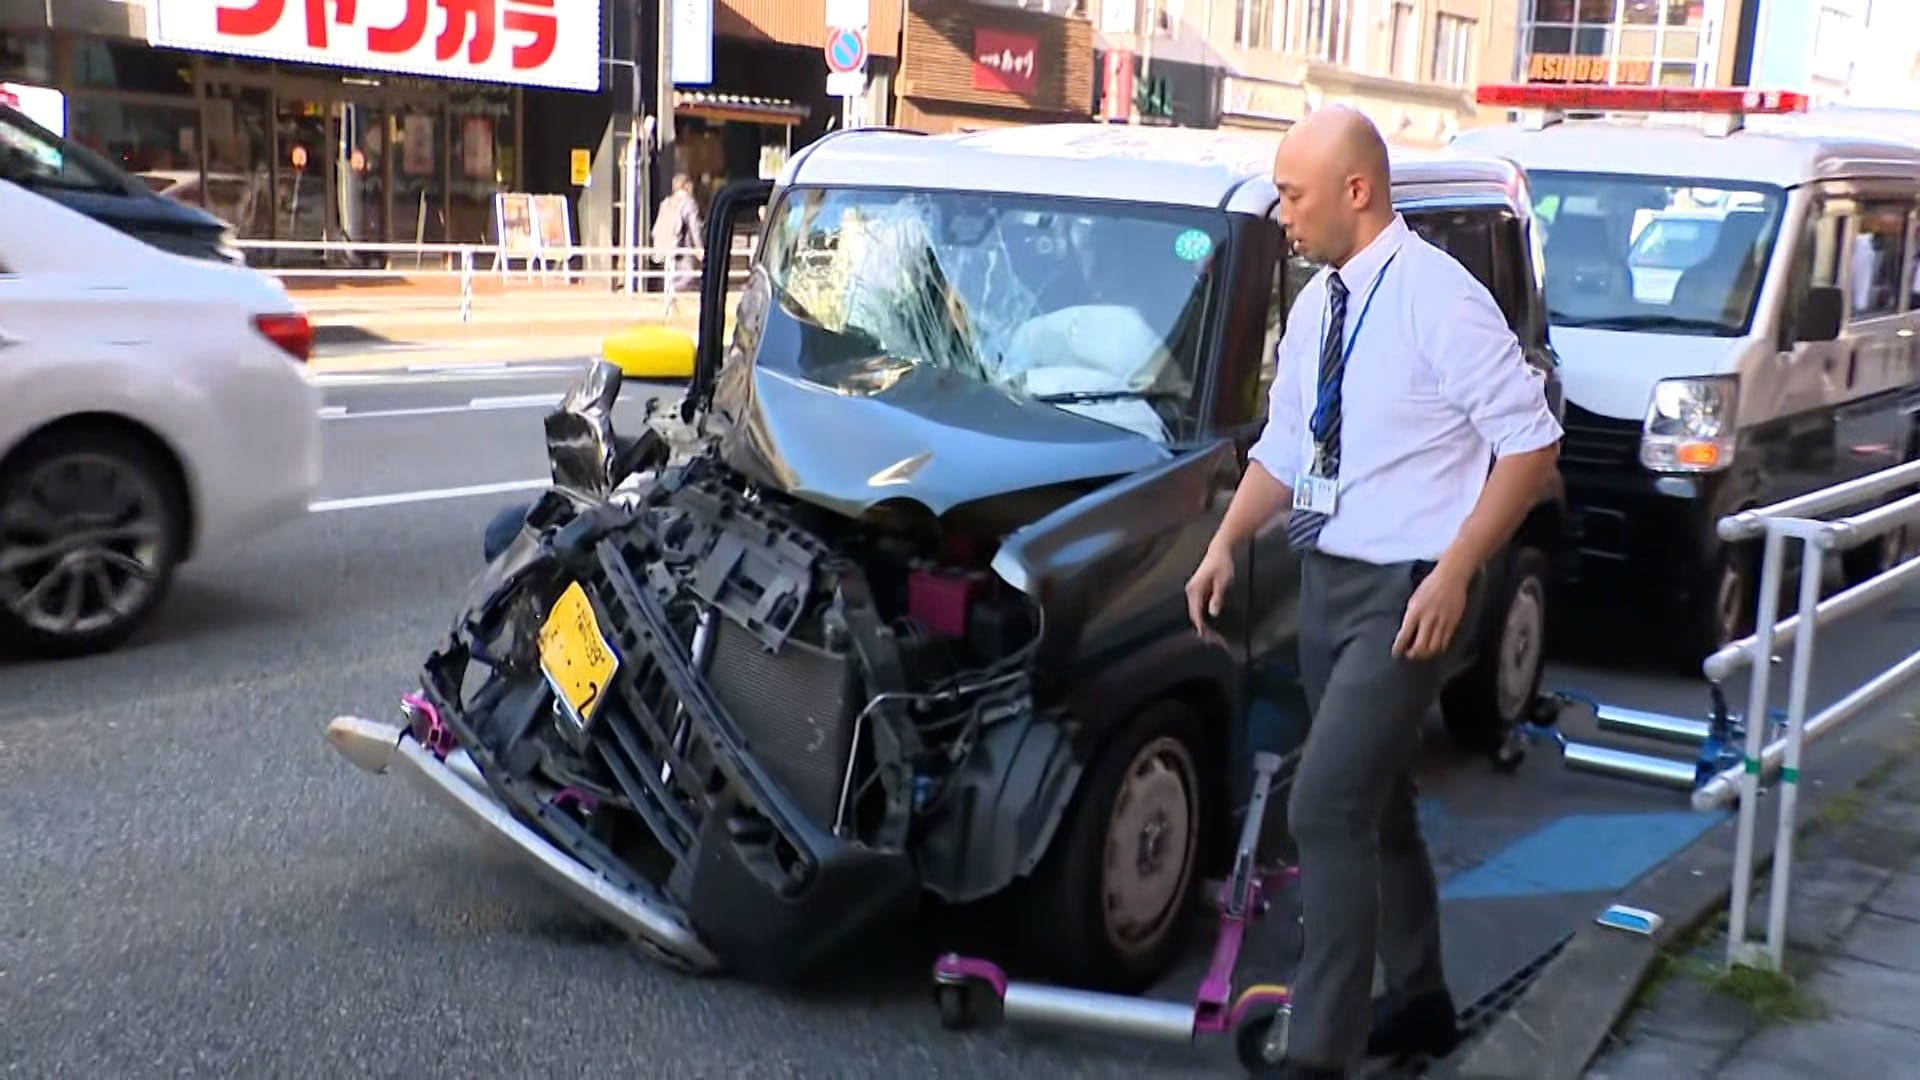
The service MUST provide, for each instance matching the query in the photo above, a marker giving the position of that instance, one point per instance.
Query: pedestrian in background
(1408, 436)
(677, 227)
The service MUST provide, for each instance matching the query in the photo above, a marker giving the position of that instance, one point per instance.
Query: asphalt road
(195, 883)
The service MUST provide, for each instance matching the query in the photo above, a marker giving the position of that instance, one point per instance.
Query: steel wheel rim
(81, 543)
(1150, 842)
(1521, 643)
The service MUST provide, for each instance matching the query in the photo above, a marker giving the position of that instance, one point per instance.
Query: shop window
(1592, 41)
(132, 67)
(1560, 11)
(1640, 12)
(1596, 11)
(137, 138)
(23, 58)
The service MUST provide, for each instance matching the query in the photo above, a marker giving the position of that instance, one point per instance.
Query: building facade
(330, 122)
(968, 65)
(1410, 65)
(1863, 53)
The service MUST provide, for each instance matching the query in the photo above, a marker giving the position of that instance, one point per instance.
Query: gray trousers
(1366, 882)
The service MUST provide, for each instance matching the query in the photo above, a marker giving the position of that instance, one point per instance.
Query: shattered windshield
(1670, 256)
(1093, 307)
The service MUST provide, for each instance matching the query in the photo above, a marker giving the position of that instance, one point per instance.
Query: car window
(1879, 258)
(1666, 255)
(1488, 242)
(1098, 308)
(30, 160)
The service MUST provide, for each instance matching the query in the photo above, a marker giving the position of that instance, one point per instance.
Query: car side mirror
(1820, 315)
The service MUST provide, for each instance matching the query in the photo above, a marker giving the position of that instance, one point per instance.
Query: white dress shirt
(1435, 388)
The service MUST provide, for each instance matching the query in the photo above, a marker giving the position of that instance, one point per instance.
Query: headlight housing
(1690, 425)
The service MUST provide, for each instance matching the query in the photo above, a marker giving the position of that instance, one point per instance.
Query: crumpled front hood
(864, 430)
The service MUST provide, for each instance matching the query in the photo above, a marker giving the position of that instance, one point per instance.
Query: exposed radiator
(795, 708)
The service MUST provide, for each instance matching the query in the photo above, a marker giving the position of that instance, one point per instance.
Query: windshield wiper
(1640, 322)
(1084, 397)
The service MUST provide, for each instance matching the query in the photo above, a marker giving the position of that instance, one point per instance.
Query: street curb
(1560, 1024)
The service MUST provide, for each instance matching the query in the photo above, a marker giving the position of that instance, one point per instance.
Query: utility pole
(663, 97)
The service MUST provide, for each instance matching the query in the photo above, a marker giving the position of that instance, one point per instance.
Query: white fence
(1800, 519)
(632, 273)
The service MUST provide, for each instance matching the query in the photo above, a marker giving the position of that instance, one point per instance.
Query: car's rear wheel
(1494, 695)
(90, 531)
(1111, 897)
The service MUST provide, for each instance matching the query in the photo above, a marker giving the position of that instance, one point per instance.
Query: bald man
(1406, 438)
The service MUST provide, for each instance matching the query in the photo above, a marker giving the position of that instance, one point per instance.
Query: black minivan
(81, 180)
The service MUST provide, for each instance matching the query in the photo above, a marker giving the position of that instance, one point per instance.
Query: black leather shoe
(1426, 1025)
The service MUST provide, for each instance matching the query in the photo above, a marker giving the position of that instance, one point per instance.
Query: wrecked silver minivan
(891, 606)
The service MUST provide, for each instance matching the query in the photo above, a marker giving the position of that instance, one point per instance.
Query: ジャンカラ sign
(552, 43)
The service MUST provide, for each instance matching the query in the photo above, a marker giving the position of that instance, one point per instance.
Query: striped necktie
(1303, 526)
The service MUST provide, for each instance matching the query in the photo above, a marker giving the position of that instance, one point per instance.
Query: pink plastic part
(425, 721)
(939, 601)
(954, 968)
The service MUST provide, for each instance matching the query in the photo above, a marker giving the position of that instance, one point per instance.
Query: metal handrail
(1732, 658)
(1748, 524)
(1791, 519)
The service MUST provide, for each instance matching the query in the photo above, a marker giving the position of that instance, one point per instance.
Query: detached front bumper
(457, 784)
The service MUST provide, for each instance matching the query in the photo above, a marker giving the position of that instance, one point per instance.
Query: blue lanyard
(1320, 417)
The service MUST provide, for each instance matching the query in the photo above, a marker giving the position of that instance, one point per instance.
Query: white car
(152, 408)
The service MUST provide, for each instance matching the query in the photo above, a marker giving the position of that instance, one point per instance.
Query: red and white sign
(1005, 61)
(552, 43)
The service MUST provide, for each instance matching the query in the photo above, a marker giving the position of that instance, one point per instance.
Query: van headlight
(1690, 425)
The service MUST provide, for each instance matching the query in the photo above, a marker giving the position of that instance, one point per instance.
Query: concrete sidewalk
(1849, 1004)
(384, 312)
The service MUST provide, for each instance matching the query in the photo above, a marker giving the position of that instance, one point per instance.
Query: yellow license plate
(578, 660)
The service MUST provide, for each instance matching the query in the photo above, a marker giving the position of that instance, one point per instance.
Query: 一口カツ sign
(552, 43)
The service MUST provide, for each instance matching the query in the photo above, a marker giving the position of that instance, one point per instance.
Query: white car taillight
(292, 332)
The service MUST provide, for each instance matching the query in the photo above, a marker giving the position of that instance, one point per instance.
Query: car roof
(1208, 168)
(43, 236)
(1783, 155)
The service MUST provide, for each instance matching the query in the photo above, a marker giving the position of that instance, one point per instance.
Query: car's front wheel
(1112, 895)
(90, 529)
(1496, 693)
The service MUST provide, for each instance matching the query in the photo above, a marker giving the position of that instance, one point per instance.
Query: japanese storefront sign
(1005, 61)
(553, 43)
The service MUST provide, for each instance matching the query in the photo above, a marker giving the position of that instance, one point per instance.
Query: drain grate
(1477, 1017)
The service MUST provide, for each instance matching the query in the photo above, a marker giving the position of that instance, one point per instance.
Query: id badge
(1316, 494)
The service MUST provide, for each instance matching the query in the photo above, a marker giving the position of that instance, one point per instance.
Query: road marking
(1581, 853)
(328, 412)
(388, 414)
(522, 401)
(404, 498)
(451, 374)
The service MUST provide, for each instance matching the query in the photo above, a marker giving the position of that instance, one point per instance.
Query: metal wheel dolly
(1257, 1017)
